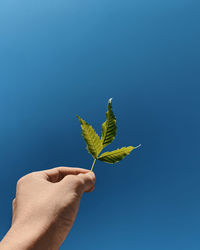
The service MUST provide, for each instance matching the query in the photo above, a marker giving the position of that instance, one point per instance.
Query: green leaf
(93, 142)
(109, 128)
(95, 145)
(116, 155)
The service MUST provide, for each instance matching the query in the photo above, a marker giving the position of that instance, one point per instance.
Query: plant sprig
(95, 144)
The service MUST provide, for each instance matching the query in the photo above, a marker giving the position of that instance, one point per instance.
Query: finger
(58, 173)
(88, 180)
(80, 183)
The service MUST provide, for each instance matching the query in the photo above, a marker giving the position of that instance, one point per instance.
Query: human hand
(46, 206)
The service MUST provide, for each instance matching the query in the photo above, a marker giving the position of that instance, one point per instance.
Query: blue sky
(63, 58)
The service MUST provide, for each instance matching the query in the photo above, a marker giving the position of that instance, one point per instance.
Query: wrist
(16, 239)
(25, 238)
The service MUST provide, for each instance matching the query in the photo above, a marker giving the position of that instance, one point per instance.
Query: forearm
(25, 239)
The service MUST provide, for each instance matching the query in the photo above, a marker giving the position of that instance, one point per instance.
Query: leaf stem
(93, 164)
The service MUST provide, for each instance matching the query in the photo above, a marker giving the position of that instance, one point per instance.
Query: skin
(45, 208)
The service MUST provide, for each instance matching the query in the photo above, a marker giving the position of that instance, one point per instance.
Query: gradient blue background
(62, 58)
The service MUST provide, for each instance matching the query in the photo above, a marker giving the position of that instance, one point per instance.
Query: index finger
(58, 173)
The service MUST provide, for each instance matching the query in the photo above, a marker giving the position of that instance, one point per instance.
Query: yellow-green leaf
(109, 128)
(93, 142)
(116, 155)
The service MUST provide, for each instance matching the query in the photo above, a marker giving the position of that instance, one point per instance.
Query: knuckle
(79, 181)
(71, 178)
(75, 180)
(24, 178)
(34, 173)
(14, 201)
(20, 181)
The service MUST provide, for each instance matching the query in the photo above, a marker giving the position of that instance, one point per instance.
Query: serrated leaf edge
(82, 121)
